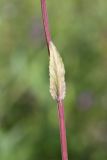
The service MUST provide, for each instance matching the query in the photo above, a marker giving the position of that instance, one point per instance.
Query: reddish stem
(60, 103)
(62, 130)
(45, 22)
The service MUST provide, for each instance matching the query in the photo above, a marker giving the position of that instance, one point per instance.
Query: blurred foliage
(28, 116)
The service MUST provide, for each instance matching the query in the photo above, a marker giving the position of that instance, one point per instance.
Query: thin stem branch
(45, 22)
(59, 102)
(62, 130)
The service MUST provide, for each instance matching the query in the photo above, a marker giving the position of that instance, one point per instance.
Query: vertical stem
(62, 130)
(45, 22)
(60, 102)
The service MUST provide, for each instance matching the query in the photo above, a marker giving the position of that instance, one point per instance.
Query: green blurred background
(28, 115)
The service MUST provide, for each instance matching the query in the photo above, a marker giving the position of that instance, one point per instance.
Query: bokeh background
(28, 115)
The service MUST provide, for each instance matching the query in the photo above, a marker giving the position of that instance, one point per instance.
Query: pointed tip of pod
(57, 74)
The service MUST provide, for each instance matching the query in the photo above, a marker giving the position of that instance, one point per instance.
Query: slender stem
(62, 130)
(45, 22)
(60, 103)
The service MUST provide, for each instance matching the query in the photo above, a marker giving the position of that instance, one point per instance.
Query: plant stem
(62, 130)
(45, 22)
(59, 102)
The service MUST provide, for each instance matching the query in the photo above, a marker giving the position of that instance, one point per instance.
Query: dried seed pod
(57, 74)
